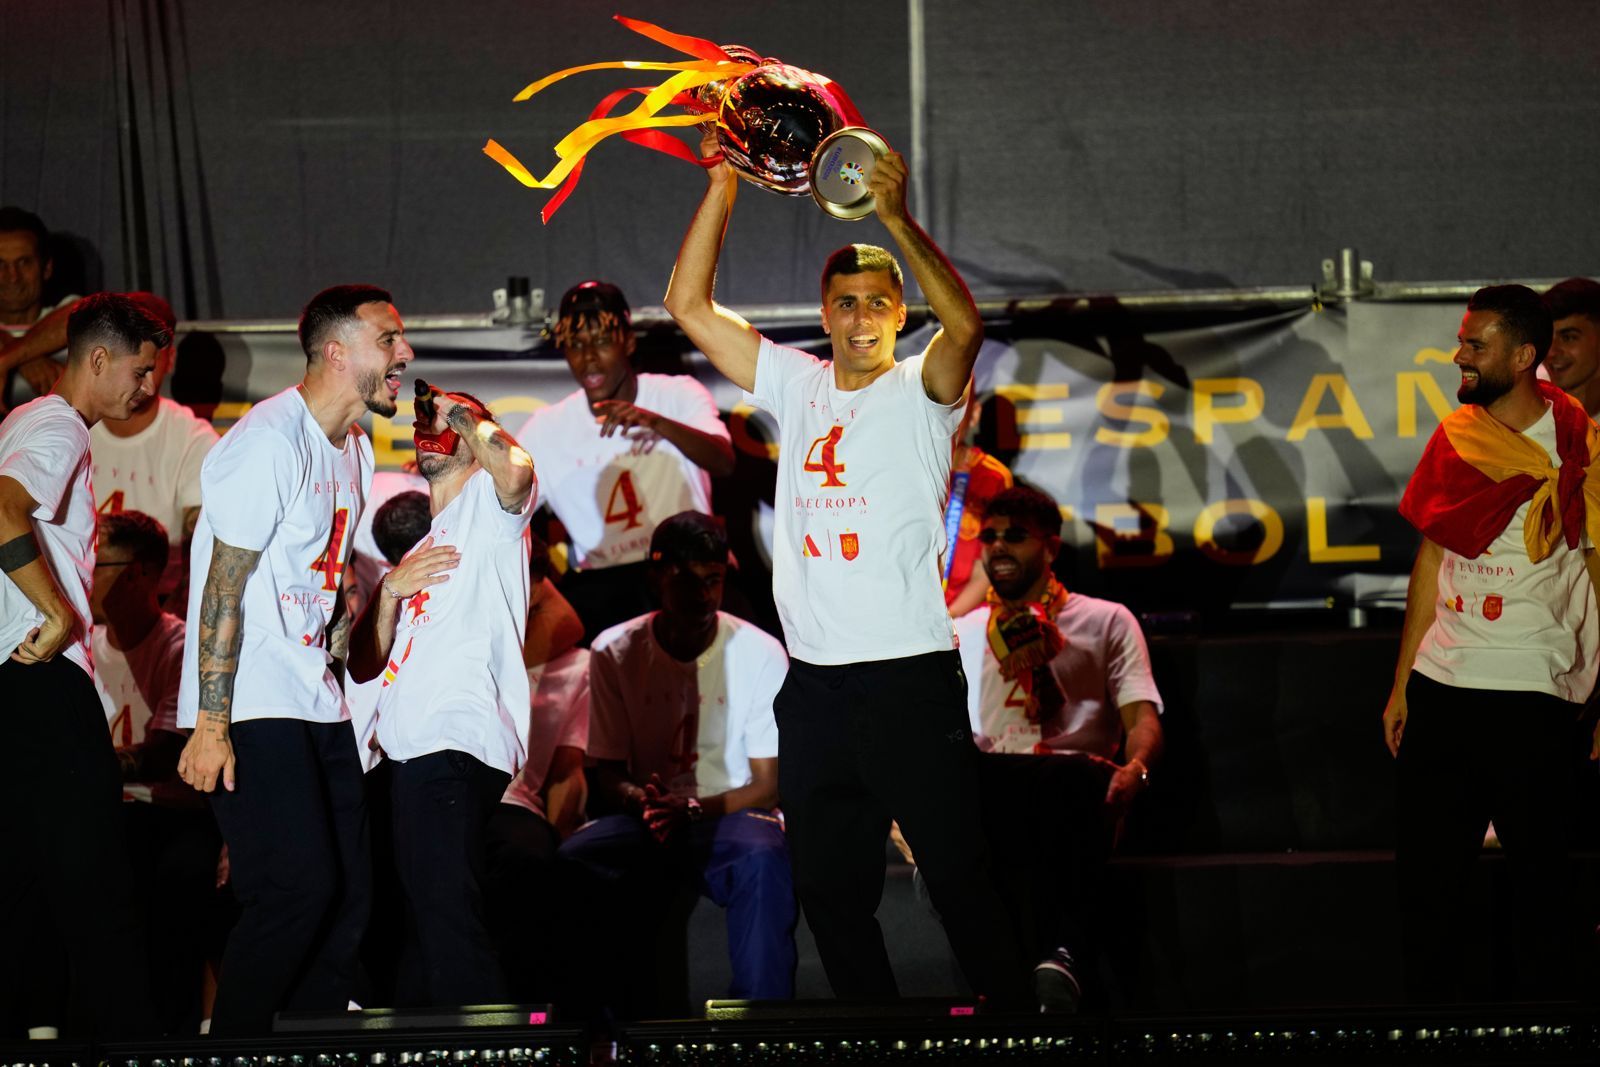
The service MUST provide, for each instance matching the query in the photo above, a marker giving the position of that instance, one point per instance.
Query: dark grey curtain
(238, 156)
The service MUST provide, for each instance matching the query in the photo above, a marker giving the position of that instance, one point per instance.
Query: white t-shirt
(276, 485)
(141, 682)
(1104, 666)
(857, 560)
(698, 725)
(559, 719)
(44, 446)
(611, 492)
(455, 678)
(1505, 623)
(156, 471)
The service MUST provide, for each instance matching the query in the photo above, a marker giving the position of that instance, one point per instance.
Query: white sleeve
(48, 454)
(776, 367)
(608, 717)
(196, 447)
(246, 484)
(574, 732)
(695, 408)
(167, 676)
(972, 639)
(760, 726)
(946, 418)
(507, 525)
(1128, 675)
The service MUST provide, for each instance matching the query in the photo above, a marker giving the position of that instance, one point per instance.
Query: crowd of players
(299, 738)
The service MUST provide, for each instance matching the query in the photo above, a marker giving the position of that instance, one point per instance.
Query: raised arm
(23, 563)
(507, 462)
(209, 754)
(729, 342)
(954, 348)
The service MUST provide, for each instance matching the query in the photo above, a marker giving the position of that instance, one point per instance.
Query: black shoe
(1055, 986)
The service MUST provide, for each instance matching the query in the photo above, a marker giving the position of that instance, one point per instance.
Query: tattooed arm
(208, 756)
(495, 450)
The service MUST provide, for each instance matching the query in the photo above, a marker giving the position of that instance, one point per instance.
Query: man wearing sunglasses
(1059, 686)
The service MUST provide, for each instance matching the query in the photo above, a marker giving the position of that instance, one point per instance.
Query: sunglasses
(1011, 535)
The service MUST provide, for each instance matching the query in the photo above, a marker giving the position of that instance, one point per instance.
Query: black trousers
(297, 836)
(527, 904)
(442, 805)
(861, 744)
(66, 856)
(1050, 834)
(1469, 756)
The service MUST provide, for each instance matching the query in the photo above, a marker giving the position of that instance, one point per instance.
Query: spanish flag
(1476, 472)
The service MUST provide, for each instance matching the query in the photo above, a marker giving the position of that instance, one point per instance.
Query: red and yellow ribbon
(642, 125)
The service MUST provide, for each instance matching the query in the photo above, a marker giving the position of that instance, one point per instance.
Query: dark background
(241, 156)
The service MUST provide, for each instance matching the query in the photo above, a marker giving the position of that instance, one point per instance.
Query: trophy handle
(840, 169)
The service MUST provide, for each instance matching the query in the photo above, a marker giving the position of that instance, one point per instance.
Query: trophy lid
(840, 169)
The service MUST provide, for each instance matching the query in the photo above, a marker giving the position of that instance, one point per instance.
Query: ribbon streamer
(642, 125)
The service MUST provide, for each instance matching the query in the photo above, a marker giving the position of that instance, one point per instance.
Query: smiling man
(1574, 359)
(621, 453)
(280, 496)
(60, 786)
(1498, 652)
(1059, 687)
(872, 715)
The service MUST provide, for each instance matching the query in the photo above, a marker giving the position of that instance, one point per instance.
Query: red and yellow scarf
(1476, 472)
(1025, 637)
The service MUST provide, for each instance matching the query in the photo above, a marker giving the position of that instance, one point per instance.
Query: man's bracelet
(1144, 772)
(392, 594)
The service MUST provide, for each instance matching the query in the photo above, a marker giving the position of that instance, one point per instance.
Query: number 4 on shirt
(329, 562)
(623, 505)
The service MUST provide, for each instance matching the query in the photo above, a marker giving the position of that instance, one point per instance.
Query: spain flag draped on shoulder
(1476, 472)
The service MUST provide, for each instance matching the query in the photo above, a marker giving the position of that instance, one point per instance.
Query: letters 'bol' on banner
(785, 129)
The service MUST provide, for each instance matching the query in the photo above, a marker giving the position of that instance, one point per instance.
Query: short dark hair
(157, 307)
(139, 533)
(19, 220)
(1575, 296)
(1522, 315)
(400, 523)
(331, 309)
(115, 320)
(689, 537)
(473, 401)
(862, 259)
(1030, 505)
(595, 303)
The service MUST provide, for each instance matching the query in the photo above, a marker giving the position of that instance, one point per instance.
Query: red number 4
(623, 505)
(329, 563)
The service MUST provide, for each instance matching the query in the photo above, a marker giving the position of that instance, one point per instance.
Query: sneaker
(1055, 986)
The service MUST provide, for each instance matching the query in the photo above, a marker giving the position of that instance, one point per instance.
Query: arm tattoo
(222, 631)
(461, 419)
(19, 552)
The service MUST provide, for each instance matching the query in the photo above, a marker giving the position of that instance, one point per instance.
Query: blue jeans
(740, 862)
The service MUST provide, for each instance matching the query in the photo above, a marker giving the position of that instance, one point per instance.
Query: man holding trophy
(872, 714)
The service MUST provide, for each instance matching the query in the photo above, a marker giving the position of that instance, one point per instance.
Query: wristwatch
(696, 812)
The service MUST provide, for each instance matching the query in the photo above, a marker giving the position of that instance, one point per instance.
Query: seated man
(685, 748)
(31, 331)
(619, 454)
(543, 804)
(1058, 684)
(173, 840)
